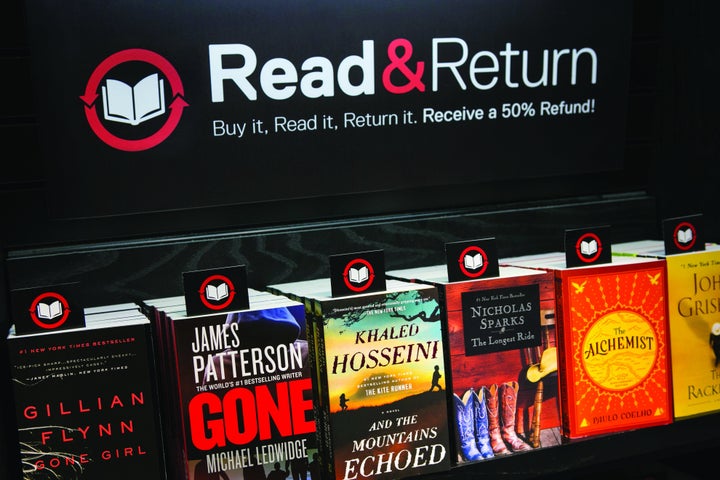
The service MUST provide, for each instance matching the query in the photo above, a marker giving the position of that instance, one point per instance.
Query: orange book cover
(614, 346)
(694, 318)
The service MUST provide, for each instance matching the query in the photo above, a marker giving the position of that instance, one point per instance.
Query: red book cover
(243, 397)
(614, 345)
(502, 351)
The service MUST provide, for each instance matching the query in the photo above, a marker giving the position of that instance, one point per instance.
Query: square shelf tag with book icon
(216, 290)
(46, 309)
(683, 234)
(357, 273)
(587, 246)
(502, 373)
(471, 259)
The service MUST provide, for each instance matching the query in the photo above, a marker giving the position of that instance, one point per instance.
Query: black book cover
(86, 402)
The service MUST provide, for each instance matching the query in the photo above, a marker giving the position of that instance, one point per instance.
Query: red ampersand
(398, 62)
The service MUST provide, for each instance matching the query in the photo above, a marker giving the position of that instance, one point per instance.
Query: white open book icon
(49, 311)
(217, 293)
(133, 105)
(588, 248)
(358, 275)
(685, 235)
(473, 261)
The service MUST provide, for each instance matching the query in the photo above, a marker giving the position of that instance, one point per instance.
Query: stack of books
(501, 335)
(379, 365)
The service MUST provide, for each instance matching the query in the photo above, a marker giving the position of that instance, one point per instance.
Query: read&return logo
(279, 78)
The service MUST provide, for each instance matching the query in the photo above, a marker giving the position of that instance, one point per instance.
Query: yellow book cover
(694, 299)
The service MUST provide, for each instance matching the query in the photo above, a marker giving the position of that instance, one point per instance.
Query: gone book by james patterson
(86, 400)
(381, 368)
(241, 397)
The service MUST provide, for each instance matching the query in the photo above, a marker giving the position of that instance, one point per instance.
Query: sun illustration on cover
(618, 347)
(377, 354)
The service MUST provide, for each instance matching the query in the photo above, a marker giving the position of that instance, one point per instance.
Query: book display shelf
(139, 255)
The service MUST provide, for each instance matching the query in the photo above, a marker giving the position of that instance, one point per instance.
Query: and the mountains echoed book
(381, 368)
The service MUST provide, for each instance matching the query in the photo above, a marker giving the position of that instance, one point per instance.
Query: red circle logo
(358, 275)
(588, 247)
(479, 258)
(217, 302)
(684, 236)
(46, 308)
(176, 106)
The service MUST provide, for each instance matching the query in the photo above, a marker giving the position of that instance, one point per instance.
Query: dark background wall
(672, 168)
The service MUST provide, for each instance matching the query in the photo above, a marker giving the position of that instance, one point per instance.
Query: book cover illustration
(694, 313)
(501, 337)
(133, 104)
(381, 360)
(245, 402)
(614, 346)
(86, 402)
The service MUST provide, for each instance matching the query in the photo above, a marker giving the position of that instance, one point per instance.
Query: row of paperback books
(370, 373)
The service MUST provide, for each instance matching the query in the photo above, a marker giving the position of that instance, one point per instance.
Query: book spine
(564, 343)
(324, 419)
(447, 358)
(319, 401)
(179, 460)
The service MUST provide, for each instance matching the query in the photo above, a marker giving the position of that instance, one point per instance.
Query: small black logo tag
(471, 259)
(683, 234)
(216, 290)
(46, 309)
(357, 273)
(587, 246)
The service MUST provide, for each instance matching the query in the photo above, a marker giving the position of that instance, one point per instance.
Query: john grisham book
(241, 398)
(86, 401)
(381, 369)
(503, 360)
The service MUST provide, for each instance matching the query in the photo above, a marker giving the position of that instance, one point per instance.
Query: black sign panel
(165, 105)
(588, 246)
(501, 319)
(683, 234)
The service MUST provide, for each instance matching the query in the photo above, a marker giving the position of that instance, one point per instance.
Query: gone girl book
(86, 400)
